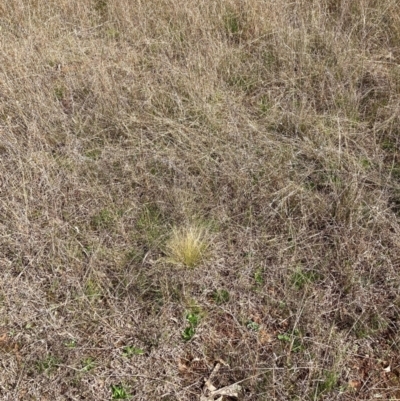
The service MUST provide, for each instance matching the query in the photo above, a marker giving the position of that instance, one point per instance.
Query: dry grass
(187, 246)
(276, 123)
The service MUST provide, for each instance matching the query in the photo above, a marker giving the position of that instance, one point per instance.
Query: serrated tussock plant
(187, 245)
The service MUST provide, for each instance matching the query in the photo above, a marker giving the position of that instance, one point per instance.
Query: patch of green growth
(389, 145)
(188, 333)
(93, 154)
(47, 365)
(70, 343)
(130, 351)
(242, 82)
(59, 92)
(221, 296)
(88, 364)
(232, 23)
(150, 223)
(134, 255)
(212, 225)
(119, 392)
(327, 384)
(361, 331)
(292, 338)
(101, 6)
(369, 325)
(365, 163)
(265, 105)
(104, 219)
(193, 318)
(395, 171)
(377, 322)
(92, 290)
(334, 178)
(284, 337)
(52, 63)
(29, 326)
(252, 325)
(270, 58)
(256, 178)
(112, 34)
(259, 277)
(300, 278)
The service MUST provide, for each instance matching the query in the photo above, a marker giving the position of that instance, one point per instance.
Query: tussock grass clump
(187, 246)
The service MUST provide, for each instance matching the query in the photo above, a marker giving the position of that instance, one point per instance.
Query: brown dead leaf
(354, 384)
(183, 368)
(5, 343)
(256, 318)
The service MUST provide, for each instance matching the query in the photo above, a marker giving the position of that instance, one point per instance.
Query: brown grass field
(192, 185)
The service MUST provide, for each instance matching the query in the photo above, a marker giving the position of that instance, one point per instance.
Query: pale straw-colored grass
(187, 246)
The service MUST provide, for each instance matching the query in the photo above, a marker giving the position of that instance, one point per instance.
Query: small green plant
(368, 325)
(193, 318)
(327, 384)
(253, 326)
(365, 163)
(264, 105)
(92, 290)
(88, 364)
(119, 392)
(232, 23)
(187, 246)
(59, 92)
(301, 278)
(134, 255)
(103, 219)
(93, 154)
(221, 296)
(388, 145)
(258, 277)
(150, 223)
(395, 171)
(47, 365)
(294, 338)
(129, 351)
(101, 7)
(284, 337)
(70, 343)
(112, 33)
(188, 333)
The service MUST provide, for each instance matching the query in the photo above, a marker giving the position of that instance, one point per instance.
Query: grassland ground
(186, 183)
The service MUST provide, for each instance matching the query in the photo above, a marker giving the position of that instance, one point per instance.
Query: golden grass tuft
(187, 246)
